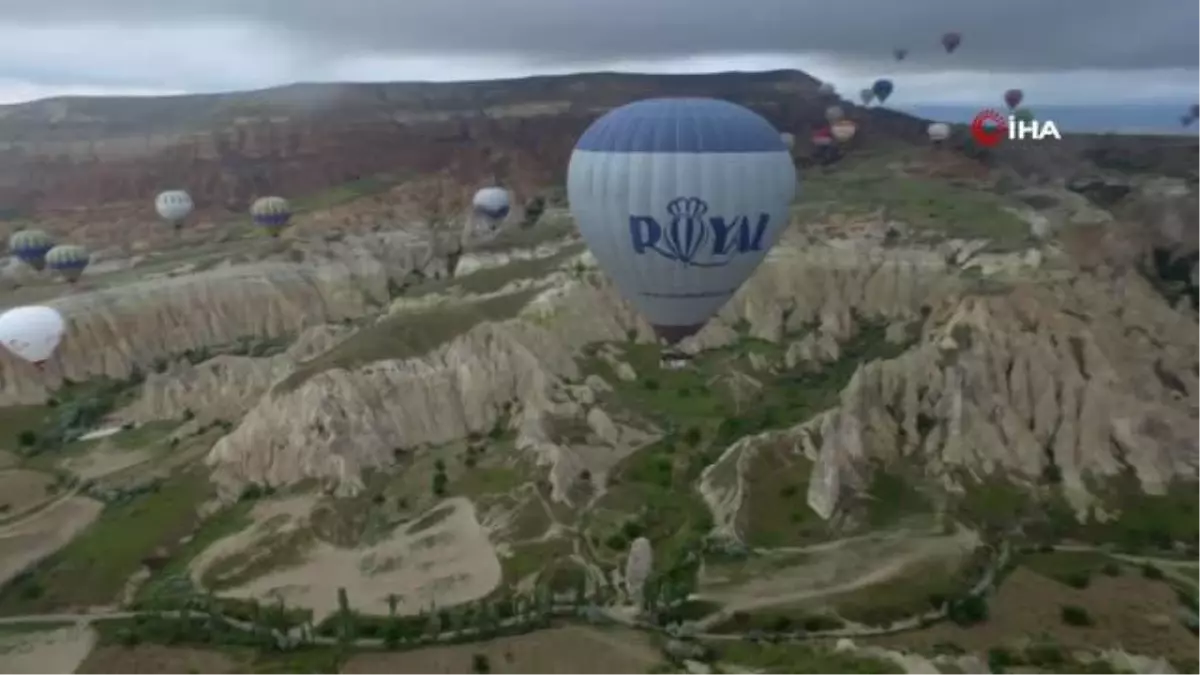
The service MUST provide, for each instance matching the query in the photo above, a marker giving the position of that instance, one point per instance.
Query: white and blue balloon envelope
(492, 203)
(679, 200)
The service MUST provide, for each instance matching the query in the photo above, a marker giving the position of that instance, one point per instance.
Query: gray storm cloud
(1028, 35)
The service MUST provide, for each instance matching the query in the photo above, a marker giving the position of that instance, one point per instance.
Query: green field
(93, 568)
(935, 207)
(407, 334)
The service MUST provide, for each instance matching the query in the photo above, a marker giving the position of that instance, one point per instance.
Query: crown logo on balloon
(688, 231)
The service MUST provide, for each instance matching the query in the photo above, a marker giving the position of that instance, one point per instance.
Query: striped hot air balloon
(271, 213)
(68, 260)
(30, 247)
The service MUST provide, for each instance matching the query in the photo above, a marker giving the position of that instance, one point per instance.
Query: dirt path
(52, 651)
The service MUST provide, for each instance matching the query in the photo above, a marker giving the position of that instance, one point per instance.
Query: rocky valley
(950, 424)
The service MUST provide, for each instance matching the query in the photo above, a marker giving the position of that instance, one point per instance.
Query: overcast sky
(1058, 51)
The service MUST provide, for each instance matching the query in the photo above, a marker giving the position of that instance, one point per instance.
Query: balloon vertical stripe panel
(679, 200)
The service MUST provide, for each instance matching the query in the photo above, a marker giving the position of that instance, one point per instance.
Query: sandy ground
(570, 649)
(833, 568)
(28, 541)
(7, 459)
(147, 658)
(55, 651)
(448, 563)
(22, 489)
(1128, 611)
(104, 461)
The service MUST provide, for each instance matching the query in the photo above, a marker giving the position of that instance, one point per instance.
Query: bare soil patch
(569, 649)
(805, 575)
(450, 561)
(52, 651)
(22, 489)
(148, 658)
(25, 543)
(1128, 611)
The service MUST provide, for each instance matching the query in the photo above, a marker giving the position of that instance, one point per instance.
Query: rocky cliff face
(91, 167)
(113, 331)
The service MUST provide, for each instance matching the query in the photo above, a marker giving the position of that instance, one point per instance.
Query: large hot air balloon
(30, 247)
(32, 332)
(939, 131)
(951, 41)
(834, 113)
(788, 139)
(271, 214)
(899, 53)
(882, 89)
(1013, 98)
(174, 206)
(826, 89)
(866, 96)
(68, 260)
(844, 130)
(679, 201)
(491, 205)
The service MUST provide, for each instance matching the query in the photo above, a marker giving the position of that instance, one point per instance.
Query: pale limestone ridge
(112, 331)
(340, 422)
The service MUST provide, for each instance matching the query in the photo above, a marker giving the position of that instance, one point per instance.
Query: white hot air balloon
(32, 332)
(843, 130)
(174, 206)
(491, 205)
(788, 139)
(679, 201)
(939, 131)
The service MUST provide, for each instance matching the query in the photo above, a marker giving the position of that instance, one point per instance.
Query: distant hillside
(1084, 119)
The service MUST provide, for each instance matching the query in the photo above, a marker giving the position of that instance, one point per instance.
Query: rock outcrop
(114, 330)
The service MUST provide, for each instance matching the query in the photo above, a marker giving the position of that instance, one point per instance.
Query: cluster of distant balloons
(679, 201)
(34, 332)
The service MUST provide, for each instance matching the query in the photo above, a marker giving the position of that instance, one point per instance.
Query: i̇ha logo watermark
(990, 127)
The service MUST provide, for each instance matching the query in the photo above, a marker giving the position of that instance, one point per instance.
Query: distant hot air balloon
(271, 214)
(30, 247)
(1186, 120)
(882, 89)
(68, 260)
(491, 204)
(1024, 115)
(822, 137)
(844, 130)
(866, 96)
(951, 41)
(939, 131)
(679, 201)
(834, 113)
(826, 89)
(788, 139)
(174, 206)
(32, 332)
(899, 53)
(1013, 98)
(1194, 111)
